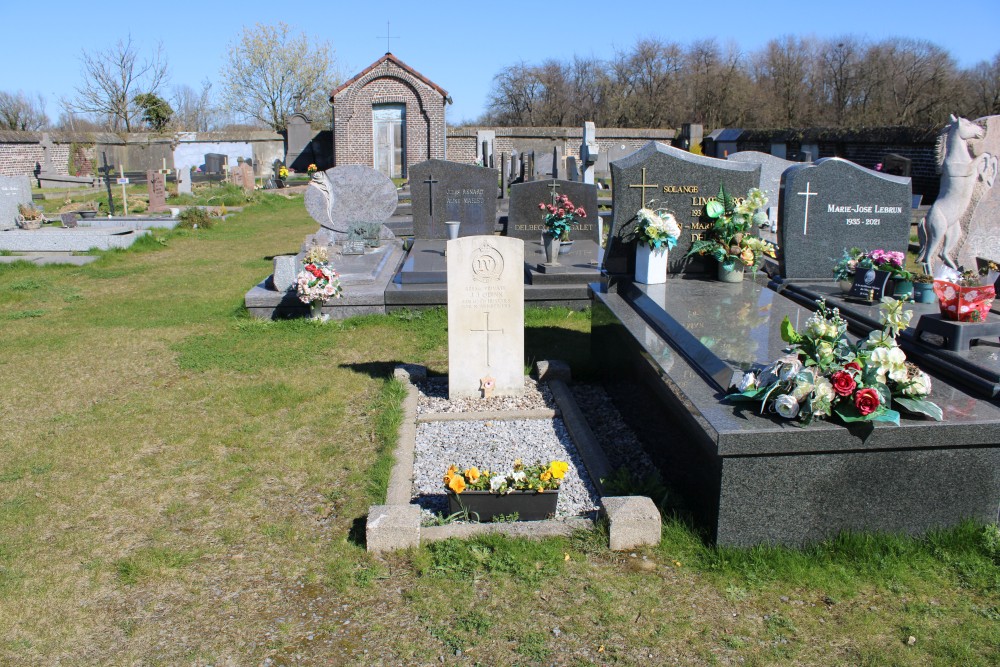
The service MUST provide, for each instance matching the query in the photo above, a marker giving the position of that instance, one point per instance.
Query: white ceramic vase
(650, 265)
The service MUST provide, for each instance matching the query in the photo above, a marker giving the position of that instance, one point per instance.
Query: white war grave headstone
(485, 317)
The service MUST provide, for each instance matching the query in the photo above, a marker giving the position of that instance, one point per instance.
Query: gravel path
(620, 444)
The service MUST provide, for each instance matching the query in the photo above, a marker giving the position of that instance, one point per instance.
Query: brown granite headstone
(157, 185)
(246, 177)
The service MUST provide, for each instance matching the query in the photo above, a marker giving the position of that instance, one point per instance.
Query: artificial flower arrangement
(282, 172)
(311, 169)
(886, 260)
(537, 477)
(966, 296)
(847, 266)
(730, 240)
(317, 281)
(560, 216)
(826, 375)
(657, 228)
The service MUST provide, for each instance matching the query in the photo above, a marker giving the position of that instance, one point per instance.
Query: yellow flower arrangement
(537, 477)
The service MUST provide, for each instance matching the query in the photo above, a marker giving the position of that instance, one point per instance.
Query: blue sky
(459, 45)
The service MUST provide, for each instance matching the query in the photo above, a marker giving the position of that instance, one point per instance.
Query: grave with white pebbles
(494, 444)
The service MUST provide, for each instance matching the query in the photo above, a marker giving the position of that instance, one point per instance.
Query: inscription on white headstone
(485, 316)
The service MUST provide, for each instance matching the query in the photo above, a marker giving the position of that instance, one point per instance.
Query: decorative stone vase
(964, 304)
(24, 223)
(845, 285)
(86, 215)
(735, 275)
(452, 228)
(924, 293)
(484, 506)
(316, 311)
(902, 288)
(565, 247)
(650, 265)
(551, 245)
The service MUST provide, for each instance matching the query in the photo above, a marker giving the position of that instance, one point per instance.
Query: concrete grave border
(633, 520)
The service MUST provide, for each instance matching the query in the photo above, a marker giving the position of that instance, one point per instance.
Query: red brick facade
(388, 81)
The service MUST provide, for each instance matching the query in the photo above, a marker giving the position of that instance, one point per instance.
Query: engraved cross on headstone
(554, 185)
(488, 331)
(642, 187)
(430, 181)
(807, 194)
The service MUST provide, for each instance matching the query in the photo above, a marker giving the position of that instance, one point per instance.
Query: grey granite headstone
(156, 184)
(441, 191)
(343, 196)
(70, 220)
(771, 169)
(14, 190)
(661, 176)
(572, 173)
(526, 221)
(183, 181)
(835, 204)
(544, 166)
(285, 270)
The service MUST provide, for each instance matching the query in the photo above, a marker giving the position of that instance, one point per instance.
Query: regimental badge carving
(487, 264)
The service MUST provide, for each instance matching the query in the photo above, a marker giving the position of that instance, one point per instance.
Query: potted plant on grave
(731, 241)
(531, 492)
(29, 217)
(893, 263)
(317, 282)
(844, 269)
(966, 296)
(825, 375)
(88, 209)
(657, 232)
(560, 217)
(282, 176)
(923, 288)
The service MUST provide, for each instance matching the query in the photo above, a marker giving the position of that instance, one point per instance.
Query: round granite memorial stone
(343, 196)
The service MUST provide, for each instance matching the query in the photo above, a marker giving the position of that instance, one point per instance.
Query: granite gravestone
(247, 180)
(156, 184)
(835, 204)
(485, 317)
(14, 190)
(183, 181)
(442, 191)
(771, 169)
(660, 176)
(342, 197)
(526, 221)
(544, 166)
(980, 222)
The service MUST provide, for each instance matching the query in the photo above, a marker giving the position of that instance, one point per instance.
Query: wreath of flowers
(826, 375)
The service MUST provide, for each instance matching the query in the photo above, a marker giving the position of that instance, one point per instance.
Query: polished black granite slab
(760, 479)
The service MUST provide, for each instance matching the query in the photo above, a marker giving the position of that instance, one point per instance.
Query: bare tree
(193, 110)
(269, 72)
(783, 69)
(112, 78)
(515, 96)
(18, 111)
(982, 84)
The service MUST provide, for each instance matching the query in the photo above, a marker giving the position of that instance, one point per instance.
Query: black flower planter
(484, 506)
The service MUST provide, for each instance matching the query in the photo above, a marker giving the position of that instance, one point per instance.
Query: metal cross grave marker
(430, 181)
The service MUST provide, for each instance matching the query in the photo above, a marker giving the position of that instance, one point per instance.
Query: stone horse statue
(959, 172)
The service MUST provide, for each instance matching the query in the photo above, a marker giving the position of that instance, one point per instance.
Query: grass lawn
(180, 484)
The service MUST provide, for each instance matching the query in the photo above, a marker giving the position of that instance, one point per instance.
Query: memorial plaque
(14, 190)
(485, 316)
(870, 285)
(526, 221)
(156, 184)
(835, 204)
(442, 191)
(660, 176)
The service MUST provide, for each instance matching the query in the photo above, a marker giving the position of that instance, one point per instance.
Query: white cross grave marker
(807, 194)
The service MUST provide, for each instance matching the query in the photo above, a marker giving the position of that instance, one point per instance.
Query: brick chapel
(389, 116)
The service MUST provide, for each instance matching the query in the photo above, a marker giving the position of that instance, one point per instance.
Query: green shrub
(195, 217)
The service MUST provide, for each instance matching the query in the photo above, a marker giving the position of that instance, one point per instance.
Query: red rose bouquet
(826, 375)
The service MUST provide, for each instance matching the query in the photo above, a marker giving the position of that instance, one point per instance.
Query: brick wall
(387, 83)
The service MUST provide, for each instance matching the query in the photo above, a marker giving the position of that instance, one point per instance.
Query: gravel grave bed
(494, 445)
(433, 399)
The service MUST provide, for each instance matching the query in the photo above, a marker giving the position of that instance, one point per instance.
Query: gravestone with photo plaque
(661, 176)
(485, 317)
(833, 204)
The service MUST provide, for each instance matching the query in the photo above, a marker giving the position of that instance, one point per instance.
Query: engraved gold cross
(643, 187)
